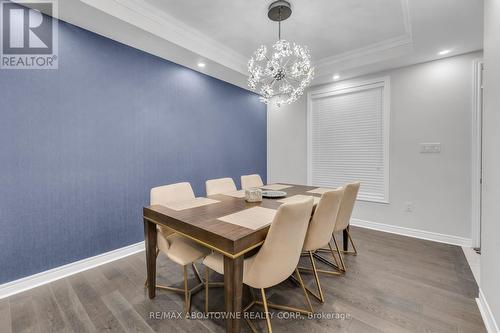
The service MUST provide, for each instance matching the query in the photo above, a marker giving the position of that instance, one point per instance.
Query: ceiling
(349, 37)
(244, 25)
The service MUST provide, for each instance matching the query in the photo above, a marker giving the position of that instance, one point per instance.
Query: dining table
(204, 224)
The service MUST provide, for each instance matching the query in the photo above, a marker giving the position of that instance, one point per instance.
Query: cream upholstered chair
(250, 181)
(276, 260)
(320, 230)
(221, 185)
(179, 249)
(343, 219)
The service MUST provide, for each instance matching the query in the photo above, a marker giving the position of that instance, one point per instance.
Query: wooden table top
(202, 225)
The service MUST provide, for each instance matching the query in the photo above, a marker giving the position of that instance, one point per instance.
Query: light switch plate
(430, 148)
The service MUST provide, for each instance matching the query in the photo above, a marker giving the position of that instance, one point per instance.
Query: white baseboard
(29, 282)
(422, 234)
(488, 318)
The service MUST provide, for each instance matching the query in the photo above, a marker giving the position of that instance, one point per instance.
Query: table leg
(345, 239)
(150, 239)
(233, 291)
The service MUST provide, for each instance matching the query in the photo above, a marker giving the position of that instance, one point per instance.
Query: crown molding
(373, 53)
(150, 19)
(366, 51)
(155, 21)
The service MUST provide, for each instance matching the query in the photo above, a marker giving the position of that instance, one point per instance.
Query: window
(348, 138)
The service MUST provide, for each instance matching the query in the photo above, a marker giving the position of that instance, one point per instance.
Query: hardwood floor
(395, 284)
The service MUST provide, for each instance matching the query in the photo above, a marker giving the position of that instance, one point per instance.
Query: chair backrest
(323, 220)
(221, 185)
(162, 195)
(249, 181)
(279, 255)
(347, 205)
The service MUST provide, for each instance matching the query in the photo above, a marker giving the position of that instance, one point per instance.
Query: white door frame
(476, 152)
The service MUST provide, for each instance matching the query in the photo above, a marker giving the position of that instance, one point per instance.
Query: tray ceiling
(350, 37)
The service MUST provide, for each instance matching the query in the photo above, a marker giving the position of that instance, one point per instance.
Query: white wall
(430, 102)
(287, 143)
(490, 252)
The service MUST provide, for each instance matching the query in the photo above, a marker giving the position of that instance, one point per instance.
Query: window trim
(344, 88)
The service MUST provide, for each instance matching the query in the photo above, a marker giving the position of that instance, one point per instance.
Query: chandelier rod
(279, 25)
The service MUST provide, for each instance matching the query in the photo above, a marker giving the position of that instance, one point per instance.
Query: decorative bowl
(273, 194)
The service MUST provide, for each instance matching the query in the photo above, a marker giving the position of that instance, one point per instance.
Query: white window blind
(348, 140)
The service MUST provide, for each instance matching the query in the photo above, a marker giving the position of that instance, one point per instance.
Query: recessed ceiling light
(336, 76)
(444, 52)
(201, 64)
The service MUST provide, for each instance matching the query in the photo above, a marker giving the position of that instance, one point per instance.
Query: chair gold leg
(252, 303)
(197, 272)
(335, 264)
(343, 268)
(268, 305)
(187, 298)
(355, 251)
(206, 288)
(333, 255)
(251, 325)
(329, 263)
(316, 277)
(299, 278)
(264, 302)
(185, 290)
(340, 268)
(350, 240)
(320, 271)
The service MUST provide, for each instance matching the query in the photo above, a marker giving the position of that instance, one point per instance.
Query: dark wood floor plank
(23, 314)
(50, 318)
(360, 327)
(5, 316)
(126, 280)
(101, 316)
(462, 323)
(125, 313)
(395, 284)
(371, 318)
(462, 308)
(75, 316)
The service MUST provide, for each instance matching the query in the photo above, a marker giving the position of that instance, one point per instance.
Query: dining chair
(343, 218)
(250, 181)
(319, 233)
(220, 185)
(177, 248)
(275, 261)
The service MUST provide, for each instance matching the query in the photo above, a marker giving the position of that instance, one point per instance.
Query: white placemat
(252, 218)
(192, 203)
(299, 197)
(236, 194)
(321, 190)
(275, 187)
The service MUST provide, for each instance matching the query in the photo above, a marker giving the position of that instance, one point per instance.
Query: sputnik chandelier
(281, 73)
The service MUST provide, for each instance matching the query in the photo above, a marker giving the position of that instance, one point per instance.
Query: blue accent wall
(81, 146)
